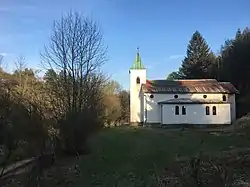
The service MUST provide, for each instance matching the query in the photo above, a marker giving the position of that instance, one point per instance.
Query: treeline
(232, 64)
(57, 114)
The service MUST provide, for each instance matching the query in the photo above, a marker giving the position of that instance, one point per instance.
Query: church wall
(196, 114)
(231, 99)
(153, 110)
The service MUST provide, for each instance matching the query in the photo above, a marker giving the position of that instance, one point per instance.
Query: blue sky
(161, 28)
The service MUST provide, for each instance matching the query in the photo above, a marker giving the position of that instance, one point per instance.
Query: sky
(160, 28)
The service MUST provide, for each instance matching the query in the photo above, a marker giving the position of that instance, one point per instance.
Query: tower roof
(137, 63)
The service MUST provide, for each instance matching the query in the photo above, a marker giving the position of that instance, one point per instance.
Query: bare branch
(20, 63)
(76, 51)
(1, 60)
(2, 65)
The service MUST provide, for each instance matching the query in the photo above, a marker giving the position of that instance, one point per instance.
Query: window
(204, 96)
(175, 96)
(224, 98)
(207, 110)
(183, 110)
(214, 110)
(151, 96)
(176, 110)
(138, 80)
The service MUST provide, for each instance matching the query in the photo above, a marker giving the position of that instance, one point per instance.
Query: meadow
(137, 156)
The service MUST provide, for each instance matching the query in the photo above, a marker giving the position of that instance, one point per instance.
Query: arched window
(138, 80)
(176, 110)
(207, 110)
(224, 98)
(214, 110)
(183, 110)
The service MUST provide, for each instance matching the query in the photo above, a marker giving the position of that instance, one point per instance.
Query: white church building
(193, 101)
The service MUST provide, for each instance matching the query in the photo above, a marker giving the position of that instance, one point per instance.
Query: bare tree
(1, 60)
(75, 54)
(20, 63)
(76, 51)
(1, 63)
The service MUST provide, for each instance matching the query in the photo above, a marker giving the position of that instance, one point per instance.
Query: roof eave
(162, 92)
(215, 102)
(137, 68)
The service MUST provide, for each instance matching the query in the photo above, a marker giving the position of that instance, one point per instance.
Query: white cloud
(171, 57)
(3, 54)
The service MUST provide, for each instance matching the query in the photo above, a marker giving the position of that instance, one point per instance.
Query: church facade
(194, 101)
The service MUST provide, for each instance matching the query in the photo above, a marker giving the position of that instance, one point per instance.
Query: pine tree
(175, 75)
(235, 59)
(199, 59)
(238, 34)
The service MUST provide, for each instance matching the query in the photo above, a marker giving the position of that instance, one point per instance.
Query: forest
(230, 65)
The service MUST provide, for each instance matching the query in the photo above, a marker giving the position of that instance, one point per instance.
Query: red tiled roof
(188, 86)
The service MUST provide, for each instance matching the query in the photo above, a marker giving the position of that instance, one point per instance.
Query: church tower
(137, 78)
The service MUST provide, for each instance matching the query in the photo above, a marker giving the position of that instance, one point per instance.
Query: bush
(74, 131)
(76, 126)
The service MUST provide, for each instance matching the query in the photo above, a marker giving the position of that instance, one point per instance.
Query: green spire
(137, 63)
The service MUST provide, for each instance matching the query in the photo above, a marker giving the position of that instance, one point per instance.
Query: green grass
(132, 157)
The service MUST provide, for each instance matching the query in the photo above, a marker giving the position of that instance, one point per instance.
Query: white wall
(195, 114)
(153, 108)
(135, 102)
(231, 99)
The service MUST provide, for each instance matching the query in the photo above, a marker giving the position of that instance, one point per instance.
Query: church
(192, 101)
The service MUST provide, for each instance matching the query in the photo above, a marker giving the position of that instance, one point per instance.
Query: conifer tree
(198, 60)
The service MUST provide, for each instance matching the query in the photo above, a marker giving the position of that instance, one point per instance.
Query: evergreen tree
(238, 34)
(235, 60)
(235, 67)
(199, 59)
(175, 75)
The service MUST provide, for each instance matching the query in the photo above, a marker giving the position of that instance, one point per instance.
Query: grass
(134, 156)
(127, 157)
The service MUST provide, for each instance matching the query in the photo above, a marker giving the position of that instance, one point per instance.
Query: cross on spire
(138, 49)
